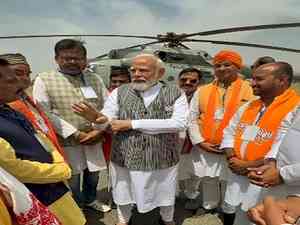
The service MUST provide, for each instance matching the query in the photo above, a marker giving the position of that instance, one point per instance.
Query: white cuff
(68, 132)
(284, 173)
(135, 124)
(227, 144)
(102, 126)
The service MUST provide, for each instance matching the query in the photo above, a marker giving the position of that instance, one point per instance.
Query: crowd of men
(231, 136)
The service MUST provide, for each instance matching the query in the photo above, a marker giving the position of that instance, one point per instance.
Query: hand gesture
(88, 112)
(275, 212)
(265, 176)
(238, 166)
(120, 125)
(212, 148)
(89, 138)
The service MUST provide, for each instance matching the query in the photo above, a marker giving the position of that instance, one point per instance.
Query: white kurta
(147, 189)
(239, 189)
(205, 163)
(80, 157)
(186, 167)
(288, 163)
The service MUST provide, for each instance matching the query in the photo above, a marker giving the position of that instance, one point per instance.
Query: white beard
(142, 86)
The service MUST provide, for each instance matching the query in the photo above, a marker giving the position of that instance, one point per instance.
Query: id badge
(88, 92)
(250, 133)
(219, 114)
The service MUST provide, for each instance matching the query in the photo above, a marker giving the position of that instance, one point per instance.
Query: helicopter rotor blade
(243, 44)
(164, 38)
(242, 28)
(133, 46)
(75, 35)
(184, 46)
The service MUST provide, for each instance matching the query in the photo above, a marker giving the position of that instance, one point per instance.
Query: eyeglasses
(191, 81)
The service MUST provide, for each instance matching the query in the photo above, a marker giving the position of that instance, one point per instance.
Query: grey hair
(159, 63)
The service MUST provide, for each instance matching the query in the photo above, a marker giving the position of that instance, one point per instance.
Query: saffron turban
(228, 55)
(14, 58)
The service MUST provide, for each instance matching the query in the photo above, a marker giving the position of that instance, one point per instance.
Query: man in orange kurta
(212, 107)
(25, 104)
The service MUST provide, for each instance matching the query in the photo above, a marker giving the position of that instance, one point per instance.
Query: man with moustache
(25, 103)
(56, 92)
(212, 107)
(189, 80)
(255, 133)
(146, 117)
(29, 155)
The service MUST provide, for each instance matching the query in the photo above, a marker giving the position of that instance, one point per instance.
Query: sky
(146, 17)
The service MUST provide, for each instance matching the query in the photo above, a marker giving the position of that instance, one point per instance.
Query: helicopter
(173, 50)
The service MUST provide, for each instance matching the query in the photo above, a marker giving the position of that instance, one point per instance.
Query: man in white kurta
(188, 80)
(218, 96)
(239, 191)
(145, 117)
(56, 92)
(282, 176)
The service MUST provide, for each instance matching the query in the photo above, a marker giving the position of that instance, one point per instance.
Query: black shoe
(130, 221)
(160, 221)
(228, 218)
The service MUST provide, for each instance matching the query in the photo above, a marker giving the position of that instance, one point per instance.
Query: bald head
(279, 69)
(271, 80)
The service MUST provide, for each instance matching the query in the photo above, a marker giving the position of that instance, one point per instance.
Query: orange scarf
(21, 107)
(230, 109)
(268, 124)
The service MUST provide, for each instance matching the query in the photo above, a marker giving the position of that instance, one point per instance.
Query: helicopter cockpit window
(179, 58)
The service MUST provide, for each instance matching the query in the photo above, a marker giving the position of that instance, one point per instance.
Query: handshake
(88, 112)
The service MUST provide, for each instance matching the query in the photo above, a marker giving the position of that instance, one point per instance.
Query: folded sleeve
(291, 174)
(32, 171)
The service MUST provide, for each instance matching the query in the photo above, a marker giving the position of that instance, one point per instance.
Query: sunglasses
(191, 81)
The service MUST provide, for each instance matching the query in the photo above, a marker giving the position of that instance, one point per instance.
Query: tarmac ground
(182, 216)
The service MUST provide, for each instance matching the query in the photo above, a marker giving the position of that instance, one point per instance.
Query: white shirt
(177, 122)
(288, 158)
(229, 131)
(41, 96)
(81, 156)
(194, 131)
(239, 190)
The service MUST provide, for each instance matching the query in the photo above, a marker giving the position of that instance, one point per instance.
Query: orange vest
(21, 107)
(267, 125)
(211, 98)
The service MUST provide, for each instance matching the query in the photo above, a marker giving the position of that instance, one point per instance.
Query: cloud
(145, 17)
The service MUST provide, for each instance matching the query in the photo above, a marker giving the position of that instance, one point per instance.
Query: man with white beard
(145, 117)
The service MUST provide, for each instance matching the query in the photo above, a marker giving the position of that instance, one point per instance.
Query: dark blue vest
(27, 147)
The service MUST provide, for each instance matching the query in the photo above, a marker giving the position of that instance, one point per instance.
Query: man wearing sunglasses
(188, 80)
